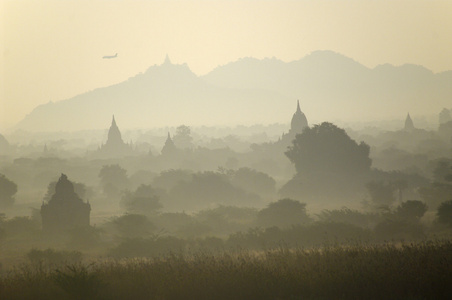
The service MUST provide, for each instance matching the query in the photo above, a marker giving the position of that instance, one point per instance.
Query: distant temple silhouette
(409, 125)
(115, 146)
(65, 210)
(169, 148)
(298, 123)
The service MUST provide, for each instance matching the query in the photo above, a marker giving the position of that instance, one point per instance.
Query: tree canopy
(326, 148)
(283, 213)
(7, 191)
(444, 213)
(144, 200)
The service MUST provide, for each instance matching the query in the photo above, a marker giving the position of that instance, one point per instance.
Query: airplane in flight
(110, 56)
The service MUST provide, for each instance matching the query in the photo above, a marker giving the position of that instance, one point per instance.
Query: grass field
(411, 271)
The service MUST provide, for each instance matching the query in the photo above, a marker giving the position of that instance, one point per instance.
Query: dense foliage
(327, 148)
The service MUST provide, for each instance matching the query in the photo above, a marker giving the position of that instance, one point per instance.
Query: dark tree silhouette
(206, 188)
(411, 210)
(7, 191)
(133, 226)
(445, 213)
(253, 181)
(442, 171)
(328, 148)
(170, 178)
(283, 213)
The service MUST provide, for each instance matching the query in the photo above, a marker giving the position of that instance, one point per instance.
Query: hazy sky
(52, 50)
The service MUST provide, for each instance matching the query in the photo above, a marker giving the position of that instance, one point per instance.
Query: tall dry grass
(411, 271)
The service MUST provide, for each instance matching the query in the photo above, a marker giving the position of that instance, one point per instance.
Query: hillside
(330, 86)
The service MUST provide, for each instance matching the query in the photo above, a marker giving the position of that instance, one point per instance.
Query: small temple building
(65, 210)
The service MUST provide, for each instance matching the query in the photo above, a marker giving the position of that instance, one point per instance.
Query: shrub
(78, 281)
(283, 213)
(51, 257)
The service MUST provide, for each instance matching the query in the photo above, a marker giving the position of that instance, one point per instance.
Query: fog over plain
(53, 50)
(253, 149)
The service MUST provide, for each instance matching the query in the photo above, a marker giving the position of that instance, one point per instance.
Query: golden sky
(52, 50)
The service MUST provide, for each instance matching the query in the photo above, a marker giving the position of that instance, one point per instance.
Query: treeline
(284, 222)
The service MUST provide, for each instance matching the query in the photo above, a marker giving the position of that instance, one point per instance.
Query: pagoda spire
(409, 125)
(169, 148)
(113, 121)
(299, 121)
(167, 60)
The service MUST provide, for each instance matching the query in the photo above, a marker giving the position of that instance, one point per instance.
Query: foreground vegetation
(388, 271)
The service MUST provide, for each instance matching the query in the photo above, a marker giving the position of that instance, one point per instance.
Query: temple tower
(114, 135)
(65, 210)
(115, 146)
(299, 121)
(409, 125)
(169, 148)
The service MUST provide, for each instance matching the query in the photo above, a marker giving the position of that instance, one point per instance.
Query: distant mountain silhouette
(164, 95)
(330, 86)
(325, 80)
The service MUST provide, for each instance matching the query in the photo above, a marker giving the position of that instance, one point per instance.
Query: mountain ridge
(329, 85)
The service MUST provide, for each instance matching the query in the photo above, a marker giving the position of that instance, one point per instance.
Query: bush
(348, 216)
(150, 247)
(51, 257)
(144, 200)
(283, 213)
(399, 230)
(133, 226)
(7, 191)
(78, 281)
(411, 210)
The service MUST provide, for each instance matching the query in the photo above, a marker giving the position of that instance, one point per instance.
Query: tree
(325, 148)
(133, 226)
(114, 179)
(411, 210)
(207, 188)
(283, 213)
(170, 178)
(182, 139)
(253, 181)
(444, 116)
(442, 171)
(145, 200)
(444, 213)
(7, 191)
